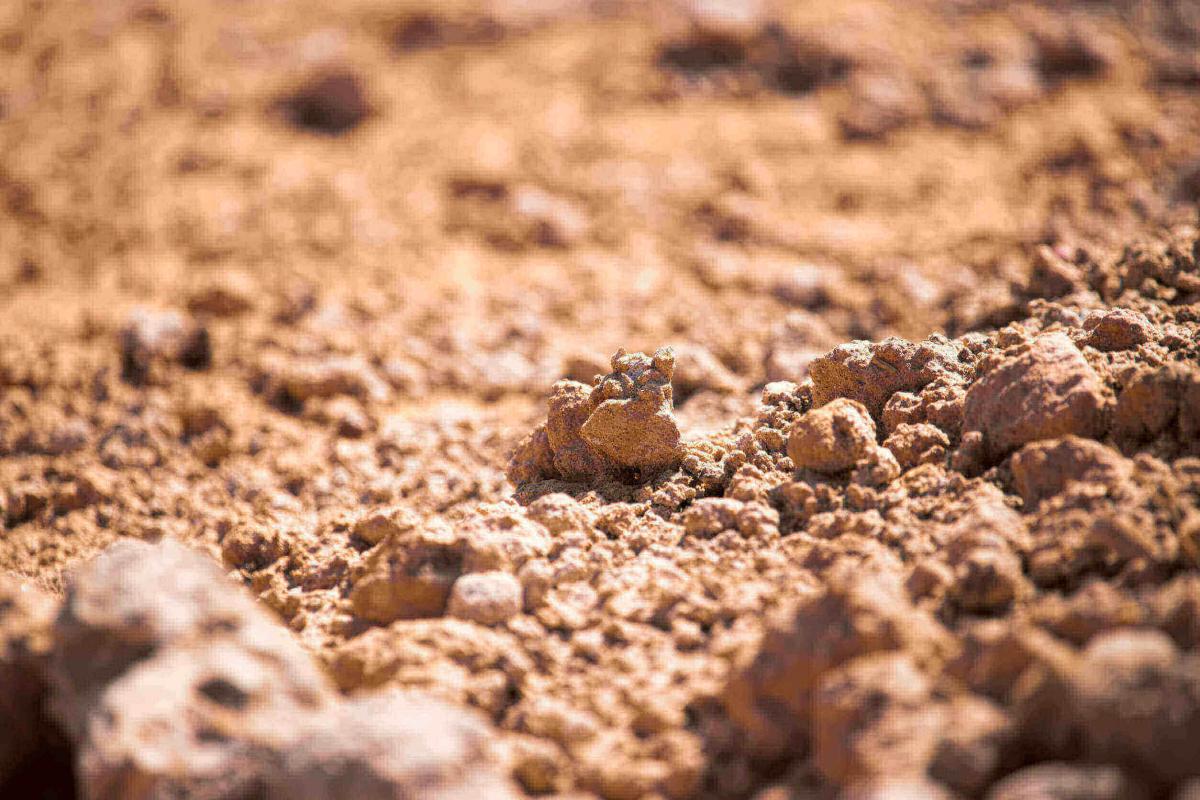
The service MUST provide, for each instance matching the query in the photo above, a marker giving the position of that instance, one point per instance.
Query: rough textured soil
(413, 399)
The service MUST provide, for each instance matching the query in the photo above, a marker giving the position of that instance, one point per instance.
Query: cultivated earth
(609, 399)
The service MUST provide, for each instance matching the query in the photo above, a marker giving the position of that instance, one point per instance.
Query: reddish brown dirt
(290, 282)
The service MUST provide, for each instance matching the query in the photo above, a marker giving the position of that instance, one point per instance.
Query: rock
(871, 372)
(996, 654)
(861, 611)
(391, 746)
(557, 721)
(169, 680)
(489, 598)
(976, 96)
(538, 765)
(533, 459)
(1149, 268)
(731, 22)
(758, 520)
(709, 516)
(544, 219)
(832, 438)
(513, 216)
(874, 716)
(1175, 607)
(878, 469)
(408, 576)
(987, 522)
(133, 601)
(151, 337)
(1094, 609)
(457, 660)
(882, 103)
(537, 578)
(197, 417)
(502, 538)
(346, 416)
(939, 404)
(69, 437)
(929, 578)
(202, 719)
(252, 547)
(1053, 276)
(1071, 46)
(1129, 699)
(987, 580)
(560, 513)
(1042, 389)
(1057, 781)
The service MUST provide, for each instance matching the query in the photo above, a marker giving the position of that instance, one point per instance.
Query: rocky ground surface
(600, 398)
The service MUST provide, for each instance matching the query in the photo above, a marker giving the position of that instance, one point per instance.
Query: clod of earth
(624, 424)
(164, 679)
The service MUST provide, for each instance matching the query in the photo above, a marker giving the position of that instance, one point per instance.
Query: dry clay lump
(1041, 389)
(871, 372)
(862, 610)
(417, 573)
(832, 438)
(1130, 698)
(170, 682)
(623, 423)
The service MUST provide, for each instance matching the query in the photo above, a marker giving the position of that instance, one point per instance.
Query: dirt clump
(1039, 390)
(152, 336)
(408, 576)
(832, 438)
(485, 597)
(872, 372)
(624, 422)
(861, 612)
(234, 702)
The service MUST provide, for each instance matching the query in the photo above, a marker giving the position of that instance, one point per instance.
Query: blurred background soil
(267, 267)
